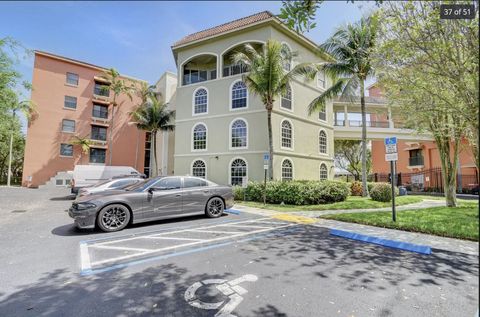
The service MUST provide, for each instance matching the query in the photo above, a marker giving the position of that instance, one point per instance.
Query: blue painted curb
(423, 249)
(232, 211)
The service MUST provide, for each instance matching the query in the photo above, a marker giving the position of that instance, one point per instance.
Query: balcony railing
(415, 161)
(371, 124)
(100, 91)
(102, 114)
(231, 70)
(340, 123)
(198, 76)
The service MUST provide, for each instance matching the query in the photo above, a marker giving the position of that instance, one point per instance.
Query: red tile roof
(229, 26)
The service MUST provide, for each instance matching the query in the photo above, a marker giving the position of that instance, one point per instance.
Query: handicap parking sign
(391, 140)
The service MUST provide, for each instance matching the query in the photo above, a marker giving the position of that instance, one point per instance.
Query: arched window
(239, 95)
(287, 98)
(200, 101)
(323, 172)
(199, 169)
(287, 170)
(286, 57)
(287, 141)
(239, 134)
(322, 142)
(238, 170)
(200, 137)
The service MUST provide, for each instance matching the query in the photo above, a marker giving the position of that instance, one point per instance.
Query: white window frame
(230, 135)
(281, 169)
(320, 171)
(193, 101)
(231, 96)
(230, 168)
(326, 142)
(70, 84)
(291, 100)
(292, 135)
(192, 138)
(74, 126)
(69, 156)
(326, 116)
(193, 162)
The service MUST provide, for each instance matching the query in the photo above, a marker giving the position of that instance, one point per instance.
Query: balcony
(415, 161)
(199, 69)
(370, 124)
(230, 68)
(234, 69)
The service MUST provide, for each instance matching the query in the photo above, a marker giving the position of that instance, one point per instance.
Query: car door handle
(178, 195)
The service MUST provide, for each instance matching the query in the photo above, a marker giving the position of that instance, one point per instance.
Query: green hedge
(295, 192)
(382, 192)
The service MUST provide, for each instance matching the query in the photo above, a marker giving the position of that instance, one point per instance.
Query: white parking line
(172, 238)
(120, 248)
(246, 226)
(177, 231)
(240, 234)
(213, 231)
(84, 256)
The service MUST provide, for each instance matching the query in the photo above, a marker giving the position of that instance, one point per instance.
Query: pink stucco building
(70, 102)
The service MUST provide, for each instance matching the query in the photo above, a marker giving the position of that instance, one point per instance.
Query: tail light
(72, 183)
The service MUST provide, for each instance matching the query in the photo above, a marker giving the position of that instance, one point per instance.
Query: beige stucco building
(221, 128)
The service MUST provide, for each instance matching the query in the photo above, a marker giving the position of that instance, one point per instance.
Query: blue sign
(266, 157)
(391, 140)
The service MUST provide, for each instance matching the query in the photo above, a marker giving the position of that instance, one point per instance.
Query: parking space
(120, 251)
(242, 265)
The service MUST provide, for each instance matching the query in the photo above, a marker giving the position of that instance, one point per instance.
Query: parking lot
(237, 265)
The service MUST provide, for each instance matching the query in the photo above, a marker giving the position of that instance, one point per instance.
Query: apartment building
(221, 127)
(70, 101)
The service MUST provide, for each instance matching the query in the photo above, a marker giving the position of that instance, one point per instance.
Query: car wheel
(214, 207)
(113, 218)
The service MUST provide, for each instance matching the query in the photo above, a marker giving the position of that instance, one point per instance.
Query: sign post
(266, 162)
(392, 156)
(244, 186)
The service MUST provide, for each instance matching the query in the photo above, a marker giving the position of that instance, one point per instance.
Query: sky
(135, 37)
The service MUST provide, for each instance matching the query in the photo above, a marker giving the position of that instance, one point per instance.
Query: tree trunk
(110, 137)
(154, 149)
(364, 140)
(449, 169)
(270, 141)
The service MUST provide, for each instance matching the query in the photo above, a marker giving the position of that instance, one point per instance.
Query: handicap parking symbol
(231, 289)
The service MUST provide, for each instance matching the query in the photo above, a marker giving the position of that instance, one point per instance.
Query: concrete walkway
(435, 242)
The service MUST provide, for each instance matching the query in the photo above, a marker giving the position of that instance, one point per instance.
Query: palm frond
(319, 103)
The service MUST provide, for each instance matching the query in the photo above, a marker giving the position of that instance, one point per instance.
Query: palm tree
(351, 46)
(153, 116)
(118, 86)
(269, 79)
(27, 107)
(84, 142)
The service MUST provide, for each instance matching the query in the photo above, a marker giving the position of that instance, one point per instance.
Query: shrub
(299, 192)
(370, 186)
(382, 192)
(356, 188)
(254, 191)
(238, 192)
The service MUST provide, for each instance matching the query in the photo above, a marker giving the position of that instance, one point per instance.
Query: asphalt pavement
(238, 265)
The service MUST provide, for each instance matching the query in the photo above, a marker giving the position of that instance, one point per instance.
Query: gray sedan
(152, 199)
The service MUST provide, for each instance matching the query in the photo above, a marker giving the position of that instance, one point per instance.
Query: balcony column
(390, 119)
(345, 116)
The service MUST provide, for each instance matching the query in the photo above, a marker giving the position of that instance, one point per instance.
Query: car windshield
(142, 185)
